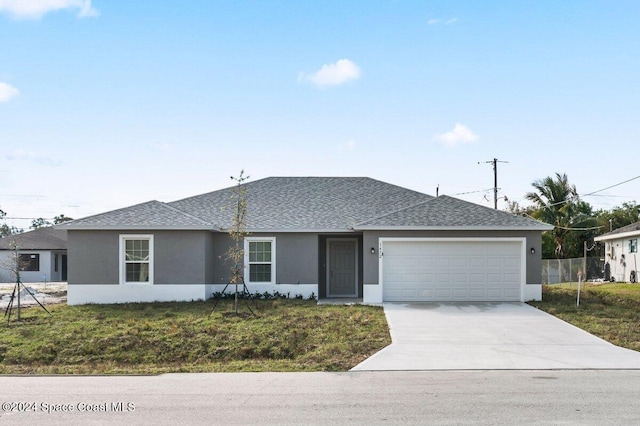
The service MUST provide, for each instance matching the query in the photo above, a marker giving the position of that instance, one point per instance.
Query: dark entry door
(341, 272)
(64, 267)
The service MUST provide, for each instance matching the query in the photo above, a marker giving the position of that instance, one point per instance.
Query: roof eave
(453, 228)
(617, 236)
(297, 230)
(140, 228)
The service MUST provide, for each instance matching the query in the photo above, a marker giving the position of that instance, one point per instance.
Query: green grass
(149, 338)
(609, 311)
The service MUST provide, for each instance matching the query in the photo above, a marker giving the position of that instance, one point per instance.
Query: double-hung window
(136, 259)
(633, 245)
(260, 260)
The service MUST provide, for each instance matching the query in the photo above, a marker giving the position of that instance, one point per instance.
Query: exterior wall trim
(81, 294)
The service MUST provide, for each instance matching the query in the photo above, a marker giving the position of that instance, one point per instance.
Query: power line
(612, 186)
(590, 193)
(29, 218)
(474, 192)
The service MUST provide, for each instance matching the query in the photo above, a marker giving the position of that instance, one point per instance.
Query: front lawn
(609, 311)
(287, 335)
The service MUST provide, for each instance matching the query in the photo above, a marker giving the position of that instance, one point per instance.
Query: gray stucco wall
(533, 239)
(180, 256)
(296, 257)
(198, 257)
(93, 257)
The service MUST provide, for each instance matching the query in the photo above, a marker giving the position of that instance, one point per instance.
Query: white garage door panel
(452, 270)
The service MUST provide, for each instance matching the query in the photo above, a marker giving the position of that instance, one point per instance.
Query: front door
(64, 267)
(342, 278)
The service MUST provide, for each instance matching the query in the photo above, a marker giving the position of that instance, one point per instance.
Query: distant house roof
(47, 238)
(629, 230)
(307, 204)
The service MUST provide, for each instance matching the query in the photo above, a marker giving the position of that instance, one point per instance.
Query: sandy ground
(47, 293)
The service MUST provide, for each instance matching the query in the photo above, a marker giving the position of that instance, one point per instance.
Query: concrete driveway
(489, 336)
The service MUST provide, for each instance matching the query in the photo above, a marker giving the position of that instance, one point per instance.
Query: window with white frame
(633, 245)
(136, 259)
(260, 260)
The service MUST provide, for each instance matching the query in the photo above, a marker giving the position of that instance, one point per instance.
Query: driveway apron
(489, 336)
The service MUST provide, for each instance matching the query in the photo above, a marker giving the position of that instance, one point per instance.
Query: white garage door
(419, 270)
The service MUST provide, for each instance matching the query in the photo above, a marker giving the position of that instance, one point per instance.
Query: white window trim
(633, 244)
(247, 274)
(123, 269)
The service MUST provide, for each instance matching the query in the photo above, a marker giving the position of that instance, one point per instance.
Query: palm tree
(557, 203)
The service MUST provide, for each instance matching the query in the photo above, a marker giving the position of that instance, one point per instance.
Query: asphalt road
(366, 398)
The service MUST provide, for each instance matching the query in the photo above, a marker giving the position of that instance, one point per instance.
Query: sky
(106, 104)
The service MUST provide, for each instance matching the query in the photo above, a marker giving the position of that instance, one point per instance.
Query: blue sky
(108, 104)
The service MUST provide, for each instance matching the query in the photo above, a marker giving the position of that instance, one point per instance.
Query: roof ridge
(204, 222)
(491, 209)
(226, 188)
(70, 222)
(398, 210)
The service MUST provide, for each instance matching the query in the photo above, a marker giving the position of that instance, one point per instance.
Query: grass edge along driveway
(609, 311)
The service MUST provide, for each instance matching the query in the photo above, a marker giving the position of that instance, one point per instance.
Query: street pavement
(526, 397)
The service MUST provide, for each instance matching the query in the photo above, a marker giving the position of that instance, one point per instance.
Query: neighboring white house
(42, 253)
(621, 253)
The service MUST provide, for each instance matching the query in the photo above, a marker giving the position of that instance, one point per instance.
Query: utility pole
(495, 162)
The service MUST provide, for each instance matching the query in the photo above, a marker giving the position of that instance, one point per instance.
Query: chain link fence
(556, 271)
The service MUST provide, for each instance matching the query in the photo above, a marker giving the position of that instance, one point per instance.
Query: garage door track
(489, 336)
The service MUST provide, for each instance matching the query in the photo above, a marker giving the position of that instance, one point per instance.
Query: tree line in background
(7, 230)
(554, 201)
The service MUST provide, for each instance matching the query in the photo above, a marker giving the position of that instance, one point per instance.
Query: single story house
(621, 253)
(326, 237)
(42, 256)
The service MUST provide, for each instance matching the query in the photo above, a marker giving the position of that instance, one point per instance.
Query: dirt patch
(46, 293)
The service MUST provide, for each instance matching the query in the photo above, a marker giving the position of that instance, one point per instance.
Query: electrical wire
(474, 192)
(612, 186)
(589, 194)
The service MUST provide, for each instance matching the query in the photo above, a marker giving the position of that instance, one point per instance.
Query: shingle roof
(308, 204)
(304, 203)
(149, 215)
(632, 228)
(449, 212)
(39, 239)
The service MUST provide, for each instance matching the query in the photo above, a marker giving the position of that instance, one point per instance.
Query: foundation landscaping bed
(609, 311)
(151, 338)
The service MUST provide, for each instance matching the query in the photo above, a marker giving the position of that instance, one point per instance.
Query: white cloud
(459, 135)
(436, 21)
(35, 9)
(332, 74)
(23, 155)
(7, 92)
